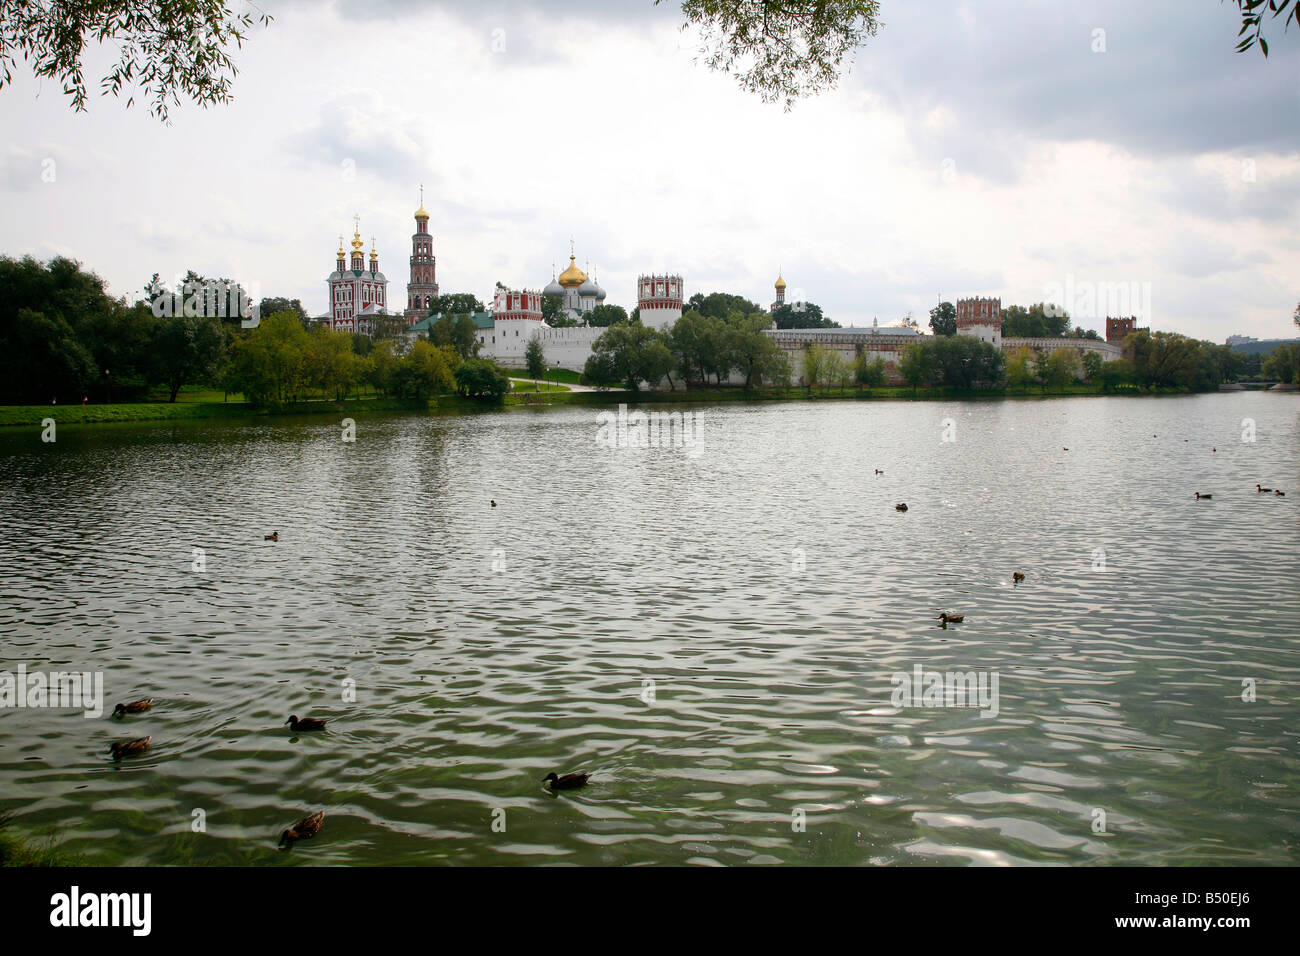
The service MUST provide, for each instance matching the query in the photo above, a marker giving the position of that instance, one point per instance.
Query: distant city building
(1240, 340)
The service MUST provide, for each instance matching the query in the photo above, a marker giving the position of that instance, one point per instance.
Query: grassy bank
(34, 415)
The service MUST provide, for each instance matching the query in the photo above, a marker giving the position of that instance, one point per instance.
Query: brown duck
(901, 506)
(125, 748)
(273, 536)
(569, 781)
(304, 829)
(1017, 577)
(307, 723)
(952, 618)
(135, 707)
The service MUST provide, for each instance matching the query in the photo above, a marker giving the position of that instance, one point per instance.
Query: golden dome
(780, 283)
(358, 245)
(340, 247)
(572, 276)
(422, 214)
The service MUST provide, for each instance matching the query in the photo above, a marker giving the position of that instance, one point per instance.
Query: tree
(60, 332)
(1041, 320)
(836, 370)
(816, 360)
(871, 373)
(333, 366)
(914, 365)
(167, 48)
(1116, 373)
(964, 361)
(553, 313)
(270, 364)
(455, 303)
(457, 331)
(381, 366)
(1252, 20)
(754, 352)
(1060, 367)
(184, 350)
(272, 305)
(1283, 363)
(780, 50)
(1020, 370)
(426, 370)
(1091, 366)
(535, 358)
(630, 354)
(719, 305)
(801, 315)
(604, 316)
(943, 319)
(482, 379)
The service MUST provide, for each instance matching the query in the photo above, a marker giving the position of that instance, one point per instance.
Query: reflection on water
(712, 634)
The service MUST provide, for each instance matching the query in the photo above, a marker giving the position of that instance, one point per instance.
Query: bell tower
(422, 289)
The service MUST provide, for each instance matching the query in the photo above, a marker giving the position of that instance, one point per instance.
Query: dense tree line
(699, 347)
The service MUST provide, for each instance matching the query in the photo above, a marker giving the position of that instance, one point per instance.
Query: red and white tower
(516, 318)
(423, 287)
(981, 318)
(659, 299)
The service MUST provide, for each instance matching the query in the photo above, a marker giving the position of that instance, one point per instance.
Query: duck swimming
(307, 723)
(125, 748)
(135, 707)
(304, 829)
(273, 536)
(569, 781)
(952, 618)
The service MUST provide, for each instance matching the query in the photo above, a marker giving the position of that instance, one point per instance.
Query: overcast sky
(975, 148)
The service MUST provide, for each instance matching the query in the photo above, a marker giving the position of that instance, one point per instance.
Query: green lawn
(563, 375)
(527, 385)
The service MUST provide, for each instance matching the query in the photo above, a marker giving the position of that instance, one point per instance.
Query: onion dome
(358, 244)
(553, 288)
(422, 214)
(600, 293)
(572, 276)
(588, 289)
(780, 284)
(341, 252)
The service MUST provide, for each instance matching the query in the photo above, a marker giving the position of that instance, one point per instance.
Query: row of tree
(279, 363)
(698, 347)
(1038, 321)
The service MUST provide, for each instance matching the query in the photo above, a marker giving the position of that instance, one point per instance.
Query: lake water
(712, 631)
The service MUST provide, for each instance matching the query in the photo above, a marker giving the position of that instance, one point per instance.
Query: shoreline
(29, 416)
